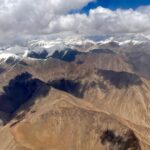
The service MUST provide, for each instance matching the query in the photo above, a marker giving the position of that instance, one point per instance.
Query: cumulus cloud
(27, 19)
(104, 21)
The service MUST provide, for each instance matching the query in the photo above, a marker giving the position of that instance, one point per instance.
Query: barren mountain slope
(101, 102)
(60, 121)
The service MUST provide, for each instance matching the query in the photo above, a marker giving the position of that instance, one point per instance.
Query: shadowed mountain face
(66, 55)
(120, 79)
(38, 55)
(11, 61)
(117, 142)
(19, 91)
(78, 87)
(2, 70)
(6, 105)
(73, 87)
(70, 55)
(69, 86)
(21, 88)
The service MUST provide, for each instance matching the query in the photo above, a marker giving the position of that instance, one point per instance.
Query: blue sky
(114, 4)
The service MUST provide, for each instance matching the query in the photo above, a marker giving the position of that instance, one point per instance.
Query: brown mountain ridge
(97, 101)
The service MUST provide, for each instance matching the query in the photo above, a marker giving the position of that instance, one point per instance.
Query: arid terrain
(95, 97)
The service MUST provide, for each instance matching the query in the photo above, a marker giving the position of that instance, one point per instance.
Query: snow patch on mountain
(59, 43)
(4, 56)
(133, 42)
(46, 48)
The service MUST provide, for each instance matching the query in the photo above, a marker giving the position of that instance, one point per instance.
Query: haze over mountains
(75, 94)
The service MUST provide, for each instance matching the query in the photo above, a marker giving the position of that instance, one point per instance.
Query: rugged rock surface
(95, 101)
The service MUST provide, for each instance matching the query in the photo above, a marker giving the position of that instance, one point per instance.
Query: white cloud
(25, 19)
(21, 18)
(104, 21)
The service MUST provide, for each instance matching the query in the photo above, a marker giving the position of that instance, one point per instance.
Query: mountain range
(75, 94)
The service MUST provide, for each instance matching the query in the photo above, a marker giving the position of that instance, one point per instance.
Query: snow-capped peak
(60, 43)
(106, 41)
(133, 42)
(121, 43)
(4, 56)
(46, 48)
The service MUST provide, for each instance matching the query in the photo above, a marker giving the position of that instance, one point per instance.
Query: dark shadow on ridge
(2, 70)
(70, 55)
(114, 141)
(75, 87)
(67, 55)
(66, 85)
(38, 55)
(120, 79)
(19, 91)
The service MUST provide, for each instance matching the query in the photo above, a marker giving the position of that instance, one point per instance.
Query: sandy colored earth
(100, 104)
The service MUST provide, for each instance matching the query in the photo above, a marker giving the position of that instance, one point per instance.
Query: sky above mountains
(23, 20)
(115, 4)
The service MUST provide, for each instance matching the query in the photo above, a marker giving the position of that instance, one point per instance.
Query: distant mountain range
(40, 49)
